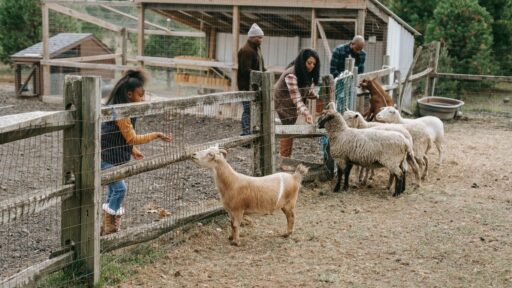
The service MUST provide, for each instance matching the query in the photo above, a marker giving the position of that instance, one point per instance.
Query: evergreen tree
(415, 13)
(465, 28)
(501, 11)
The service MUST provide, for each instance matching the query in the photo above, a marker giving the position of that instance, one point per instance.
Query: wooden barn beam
(328, 51)
(140, 35)
(314, 36)
(361, 18)
(134, 18)
(377, 12)
(329, 4)
(46, 51)
(180, 18)
(84, 17)
(236, 39)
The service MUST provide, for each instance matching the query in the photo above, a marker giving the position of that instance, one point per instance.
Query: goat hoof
(287, 234)
(230, 238)
(235, 243)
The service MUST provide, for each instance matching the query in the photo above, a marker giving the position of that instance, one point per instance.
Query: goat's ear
(357, 115)
(224, 152)
(211, 155)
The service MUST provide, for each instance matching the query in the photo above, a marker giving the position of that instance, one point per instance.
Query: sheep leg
(235, 228)
(439, 147)
(372, 173)
(416, 170)
(338, 180)
(361, 174)
(346, 171)
(425, 171)
(390, 181)
(400, 184)
(290, 219)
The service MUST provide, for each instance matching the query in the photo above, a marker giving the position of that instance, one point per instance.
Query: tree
(415, 13)
(465, 28)
(501, 11)
(20, 23)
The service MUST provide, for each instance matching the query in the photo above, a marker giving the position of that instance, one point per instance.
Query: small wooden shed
(72, 46)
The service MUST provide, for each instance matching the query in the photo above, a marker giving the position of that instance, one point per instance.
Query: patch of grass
(329, 277)
(115, 268)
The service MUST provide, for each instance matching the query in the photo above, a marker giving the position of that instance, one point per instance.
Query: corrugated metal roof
(55, 44)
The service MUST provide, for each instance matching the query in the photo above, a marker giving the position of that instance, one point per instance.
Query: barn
(69, 46)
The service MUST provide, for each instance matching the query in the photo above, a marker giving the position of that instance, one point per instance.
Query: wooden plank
(46, 51)
(20, 126)
(93, 58)
(377, 11)
(409, 73)
(268, 123)
(32, 202)
(28, 277)
(212, 38)
(164, 159)
(328, 51)
(90, 182)
(133, 17)
(140, 34)
(474, 77)
(94, 3)
(148, 232)
(376, 74)
(333, 4)
(298, 131)
(84, 17)
(63, 63)
(257, 122)
(421, 75)
(173, 62)
(158, 107)
(170, 33)
(234, 52)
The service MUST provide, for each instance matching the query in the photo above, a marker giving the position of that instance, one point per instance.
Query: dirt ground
(454, 231)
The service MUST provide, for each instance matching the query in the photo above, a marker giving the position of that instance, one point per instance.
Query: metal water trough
(441, 107)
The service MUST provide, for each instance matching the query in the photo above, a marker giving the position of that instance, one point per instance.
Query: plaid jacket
(338, 59)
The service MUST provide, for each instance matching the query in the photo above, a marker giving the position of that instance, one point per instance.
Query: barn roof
(56, 45)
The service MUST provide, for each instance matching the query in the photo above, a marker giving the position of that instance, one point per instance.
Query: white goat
(241, 194)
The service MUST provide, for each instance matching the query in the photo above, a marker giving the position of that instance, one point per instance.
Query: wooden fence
(80, 189)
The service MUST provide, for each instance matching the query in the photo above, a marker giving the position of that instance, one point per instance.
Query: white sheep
(415, 132)
(434, 125)
(367, 148)
(241, 194)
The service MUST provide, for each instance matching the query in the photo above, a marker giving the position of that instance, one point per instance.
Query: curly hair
(305, 78)
(131, 80)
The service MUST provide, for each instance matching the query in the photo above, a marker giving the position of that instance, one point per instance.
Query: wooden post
(268, 146)
(385, 63)
(46, 52)
(121, 48)
(80, 213)
(398, 80)
(140, 35)
(361, 18)
(328, 89)
(436, 63)
(90, 182)
(212, 45)
(409, 73)
(257, 122)
(314, 36)
(17, 78)
(236, 39)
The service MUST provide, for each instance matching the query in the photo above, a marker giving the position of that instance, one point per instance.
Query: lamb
(241, 194)
(367, 148)
(417, 133)
(434, 126)
(379, 97)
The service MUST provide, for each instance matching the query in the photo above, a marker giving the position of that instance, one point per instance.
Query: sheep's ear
(224, 152)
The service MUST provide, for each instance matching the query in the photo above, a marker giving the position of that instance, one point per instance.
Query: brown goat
(241, 194)
(379, 97)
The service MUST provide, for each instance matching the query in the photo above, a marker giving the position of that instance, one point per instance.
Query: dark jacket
(114, 149)
(248, 59)
(340, 53)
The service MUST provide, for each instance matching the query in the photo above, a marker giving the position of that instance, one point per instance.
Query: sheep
(416, 133)
(379, 97)
(241, 194)
(434, 126)
(367, 148)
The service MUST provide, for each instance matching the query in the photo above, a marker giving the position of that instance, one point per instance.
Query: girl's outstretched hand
(137, 155)
(166, 138)
(309, 119)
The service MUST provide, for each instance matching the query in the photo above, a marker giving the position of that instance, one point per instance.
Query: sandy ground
(454, 231)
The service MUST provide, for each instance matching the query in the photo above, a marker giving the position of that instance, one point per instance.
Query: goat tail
(300, 172)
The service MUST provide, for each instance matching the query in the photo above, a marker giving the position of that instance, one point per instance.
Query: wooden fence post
(80, 213)
(268, 144)
(257, 122)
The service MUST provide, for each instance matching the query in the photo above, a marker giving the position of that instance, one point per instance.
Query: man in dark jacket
(249, 58)
(354, 49)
